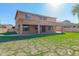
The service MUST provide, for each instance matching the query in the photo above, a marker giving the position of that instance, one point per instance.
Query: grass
(38, 44)
(60, 39)
(8, 33)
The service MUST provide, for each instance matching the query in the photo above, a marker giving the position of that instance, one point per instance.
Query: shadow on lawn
(15, 38)
(8, 33)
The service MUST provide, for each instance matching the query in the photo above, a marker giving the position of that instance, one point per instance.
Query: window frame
(25, 27)
(74, 26)
(49, 28)
(28, 16)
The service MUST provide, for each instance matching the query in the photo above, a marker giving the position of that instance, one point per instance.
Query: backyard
(65, 44)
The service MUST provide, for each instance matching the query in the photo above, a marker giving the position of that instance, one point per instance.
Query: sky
(61, 12)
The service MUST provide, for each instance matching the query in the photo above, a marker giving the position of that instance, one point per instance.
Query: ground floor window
(36, 27)
(18, 27)
(49, 27)
(25, 27)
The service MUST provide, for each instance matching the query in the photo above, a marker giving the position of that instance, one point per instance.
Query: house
(5, 28)
(70, 27)
(31, 23)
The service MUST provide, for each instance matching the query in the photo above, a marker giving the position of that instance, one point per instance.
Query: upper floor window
(40, 17)
(44, 18)
(74, 26)
(28, 16)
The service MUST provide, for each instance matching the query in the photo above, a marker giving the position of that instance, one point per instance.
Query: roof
(33, 14)
(69, 23)
(2, 26)
(5, 25)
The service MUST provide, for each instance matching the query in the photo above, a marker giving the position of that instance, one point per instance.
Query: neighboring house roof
(68, 23)
(6, 26)
(33, 14)
(2, 26)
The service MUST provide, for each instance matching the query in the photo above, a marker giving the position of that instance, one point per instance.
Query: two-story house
(31, 23)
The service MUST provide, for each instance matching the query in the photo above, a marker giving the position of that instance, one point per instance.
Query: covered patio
(36, 29)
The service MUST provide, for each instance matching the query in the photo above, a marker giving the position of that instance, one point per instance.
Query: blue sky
(8, 11)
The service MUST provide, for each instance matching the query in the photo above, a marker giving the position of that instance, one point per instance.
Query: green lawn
(53, 44)
(7, 33)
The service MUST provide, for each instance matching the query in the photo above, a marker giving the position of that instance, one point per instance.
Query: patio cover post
(21, 29)
(38, 29)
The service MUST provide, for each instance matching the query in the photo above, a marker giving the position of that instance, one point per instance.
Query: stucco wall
(2, 30)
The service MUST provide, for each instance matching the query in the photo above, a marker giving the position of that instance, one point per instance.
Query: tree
(75, 10)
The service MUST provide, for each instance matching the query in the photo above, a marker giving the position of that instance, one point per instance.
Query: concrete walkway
(10, 35)
(30, 34)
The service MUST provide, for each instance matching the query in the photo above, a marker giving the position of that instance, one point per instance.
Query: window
(25, 27)
(28, 16)
(18, 27)
(36, 27)
(49, 27)
(40, 17)
(44, 18)
(74, 26)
